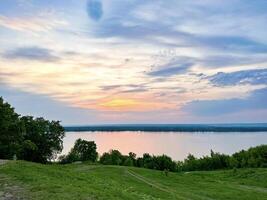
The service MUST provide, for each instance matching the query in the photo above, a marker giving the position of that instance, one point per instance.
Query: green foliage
(27, 150)
(105, 159)
(82, 151)
(162, 162)
(32, 139)
(70, 158)
(253, 157)
(128, 162)
(212, 162)
(45, 135)
(113, 157)
(11, 131)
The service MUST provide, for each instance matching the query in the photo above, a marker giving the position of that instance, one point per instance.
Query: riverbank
(250, 127)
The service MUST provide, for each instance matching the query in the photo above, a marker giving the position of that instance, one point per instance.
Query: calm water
(177, 145)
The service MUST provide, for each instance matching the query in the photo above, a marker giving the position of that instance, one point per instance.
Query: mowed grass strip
(87, 181)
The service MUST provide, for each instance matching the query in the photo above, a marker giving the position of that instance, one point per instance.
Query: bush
(105, 159)
(128, 162)
(114, 157)
(82, 151)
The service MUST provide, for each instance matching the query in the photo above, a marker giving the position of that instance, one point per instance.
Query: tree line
(86, 151)
(254, 157)
(40, 140)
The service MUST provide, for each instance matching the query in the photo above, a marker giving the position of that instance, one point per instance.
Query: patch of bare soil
(9, 191)
(3, 162)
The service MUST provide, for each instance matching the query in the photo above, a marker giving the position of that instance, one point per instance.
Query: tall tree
(11, 131)
(43, 139)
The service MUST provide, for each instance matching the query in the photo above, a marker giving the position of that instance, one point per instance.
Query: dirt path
(3, 162)
(155, 185)
(164, 188)
(141, 178)
(253, 188)
(9, 191)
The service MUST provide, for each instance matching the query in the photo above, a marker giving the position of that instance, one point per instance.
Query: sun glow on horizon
(117, 104)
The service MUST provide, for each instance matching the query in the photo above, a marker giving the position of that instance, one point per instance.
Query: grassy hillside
(84, 181)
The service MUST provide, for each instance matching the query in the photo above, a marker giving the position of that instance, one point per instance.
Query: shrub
(82, 151)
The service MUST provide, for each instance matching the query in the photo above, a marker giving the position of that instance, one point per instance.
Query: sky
(131, 61)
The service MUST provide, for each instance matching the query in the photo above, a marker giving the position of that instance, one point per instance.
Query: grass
(85, 181)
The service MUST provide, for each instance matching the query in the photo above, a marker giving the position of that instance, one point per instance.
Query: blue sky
(129, 61)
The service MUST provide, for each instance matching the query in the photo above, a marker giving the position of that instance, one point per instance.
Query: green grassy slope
(83, 181)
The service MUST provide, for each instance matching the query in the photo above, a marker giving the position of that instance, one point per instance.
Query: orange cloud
(130, 104)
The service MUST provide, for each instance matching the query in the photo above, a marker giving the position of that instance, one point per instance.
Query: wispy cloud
(109, 87)
(226, 60)
(127, 88)
(255, 101)
(171, 70)
(127, 20)
(232, 43)
(31, 24)
(252, 77)
(32, 53)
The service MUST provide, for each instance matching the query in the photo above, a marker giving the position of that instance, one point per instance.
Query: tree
(164, 163)
(44, 139)
(190, 163)
(132, 157)
(116, 157)
(33, 139)
(128, 162)
(11, 131)
(148, 161)
(105, 159)
(82, 151)
(139, 162)
(86, 150)
(27, 150)
(113, 157)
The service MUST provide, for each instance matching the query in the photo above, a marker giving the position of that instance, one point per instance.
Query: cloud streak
(32, 53)
(255, 101)
(31, 24)
(250, 77)
(129, 22)
(171, 70)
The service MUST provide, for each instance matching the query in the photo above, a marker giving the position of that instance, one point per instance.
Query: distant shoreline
(261, 127)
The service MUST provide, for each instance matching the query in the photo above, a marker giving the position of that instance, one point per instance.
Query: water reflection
(176, 145)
